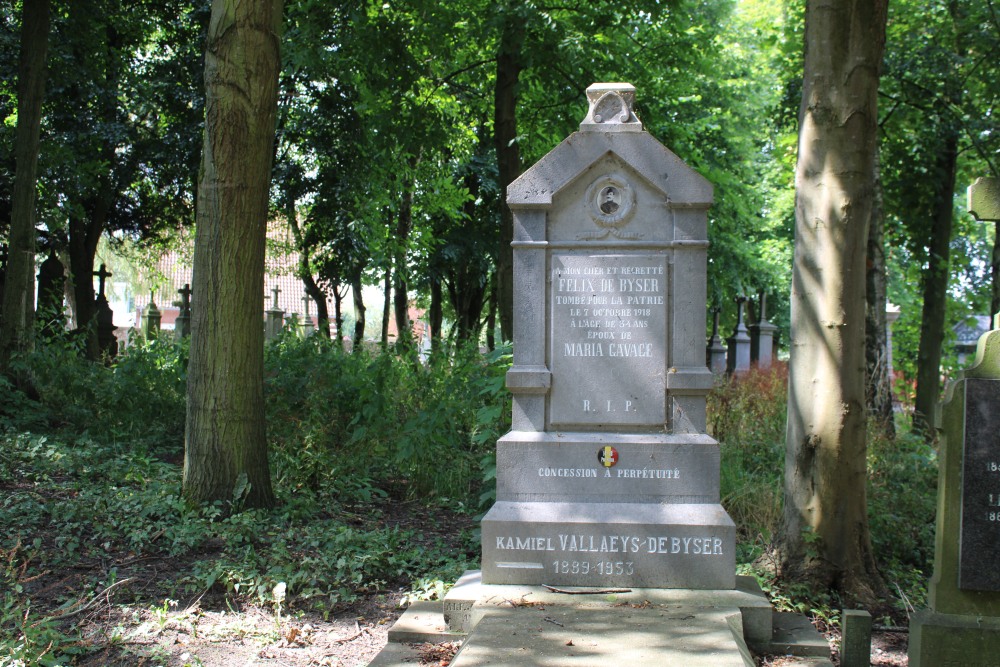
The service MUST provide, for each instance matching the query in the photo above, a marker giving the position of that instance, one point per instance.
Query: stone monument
(762, 337)
(106, 341)
(275, 317)
(962, 625)
(715, 354)
(182, 325)
(607, 476)
(738, 356)
(152, 319)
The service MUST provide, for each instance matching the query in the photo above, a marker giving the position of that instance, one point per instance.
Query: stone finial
(611, 109)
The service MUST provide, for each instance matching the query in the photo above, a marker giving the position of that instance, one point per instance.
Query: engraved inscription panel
(608, 339)
(980, 535)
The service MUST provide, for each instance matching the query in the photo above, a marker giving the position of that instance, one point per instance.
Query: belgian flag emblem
(607, 456)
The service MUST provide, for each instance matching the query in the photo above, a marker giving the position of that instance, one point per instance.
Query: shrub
(746, 414)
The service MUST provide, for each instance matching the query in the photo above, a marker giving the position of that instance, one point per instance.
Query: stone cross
(185, 293)
(275, 290)
(305, 304)
(102, 275)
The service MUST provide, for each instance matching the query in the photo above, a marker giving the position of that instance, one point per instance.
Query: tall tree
(825, 536)
(878, 383)
(225, 453)
(938, 133)
(17, 320)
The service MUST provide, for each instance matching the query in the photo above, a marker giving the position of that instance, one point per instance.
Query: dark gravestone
(962, 624)
(106, 340)
(980, 532)
(182, 326)
(51, 279)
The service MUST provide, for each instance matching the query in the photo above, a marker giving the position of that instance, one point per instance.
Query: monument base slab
(532, 635)
(950, 640)
(609, 544)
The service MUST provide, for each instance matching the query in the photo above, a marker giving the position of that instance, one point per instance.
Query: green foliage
(902, 499)
(746, 414)
(339, 421)
(137, 401)
(90, 472)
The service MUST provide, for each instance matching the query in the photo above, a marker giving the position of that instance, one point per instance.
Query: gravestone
(607, 477)
(107, 343)
(182, 325)
(152, 319)
(762, 337)
(716, 352)
(962, 625)
(275, 321)
(51, 283)
(738, 357)
(307, 320)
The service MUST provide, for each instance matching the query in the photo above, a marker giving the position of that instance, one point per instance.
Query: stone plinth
(607, 476)
(962, 624)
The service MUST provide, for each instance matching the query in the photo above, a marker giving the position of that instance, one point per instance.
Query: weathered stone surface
(984, 198)
(962, 625)
(528, 636)
(856, 644)
(979, 543)
(565, 467)
(948, 640)
(470, 600)
(607, 465)
(609, 544)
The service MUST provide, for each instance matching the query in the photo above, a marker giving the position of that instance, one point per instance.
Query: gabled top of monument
(611, 130)
(611, 109)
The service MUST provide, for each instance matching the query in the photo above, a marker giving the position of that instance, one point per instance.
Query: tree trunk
(467, 286)
(491, 317)
(338, 298)
(935, 289)
(225, 454)
(312, 289)
(436, 315)
(359, 313)
(386, 306)
(16, 323)
(84, 235)
(878, 383)
(825, 538)
(401, 298)
(509, 66)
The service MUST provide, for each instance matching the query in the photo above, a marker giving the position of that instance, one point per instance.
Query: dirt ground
(213, 630)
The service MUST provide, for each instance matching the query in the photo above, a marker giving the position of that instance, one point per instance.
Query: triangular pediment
(577, 155)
